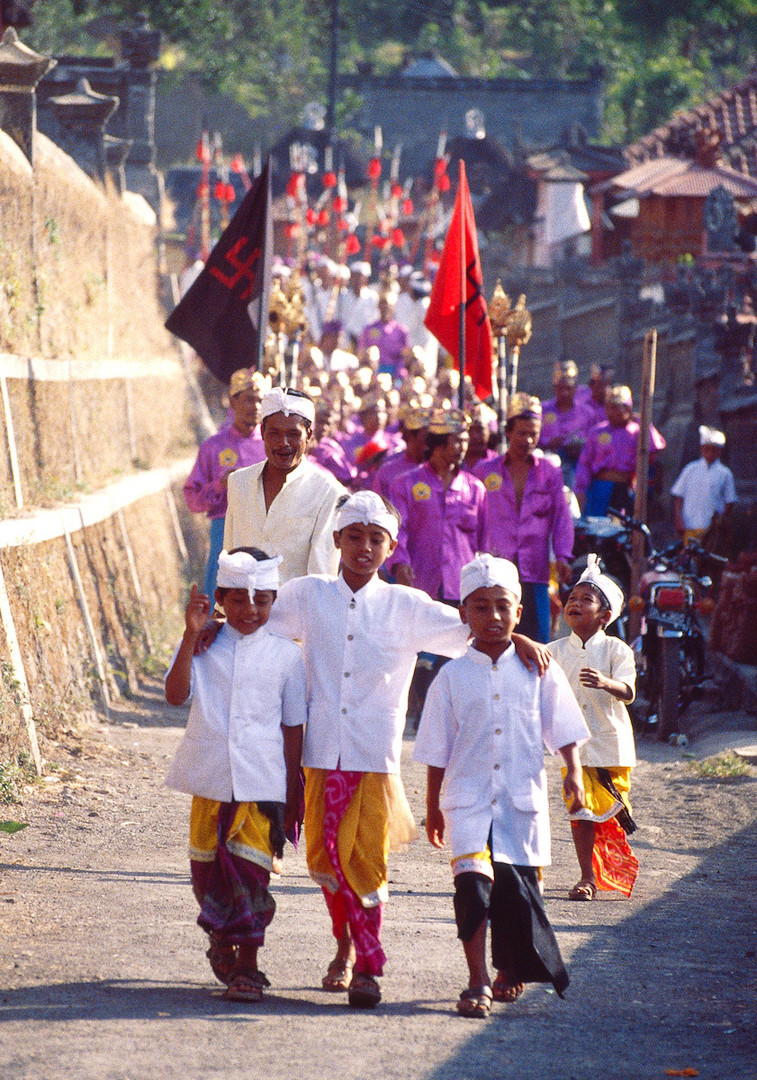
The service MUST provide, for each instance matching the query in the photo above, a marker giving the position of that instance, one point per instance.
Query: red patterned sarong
(615, 865)
(345, 905)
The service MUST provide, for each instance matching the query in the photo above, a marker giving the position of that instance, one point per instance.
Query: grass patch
(725, 766)
(13, 776)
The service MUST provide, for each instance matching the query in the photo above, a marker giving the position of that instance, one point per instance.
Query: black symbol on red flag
(221, 314)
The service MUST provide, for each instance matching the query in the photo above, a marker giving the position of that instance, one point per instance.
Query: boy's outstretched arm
(179, 678)
(292, 759)
(595, 679)
(573, 784)
(434, 816)
(531, 653)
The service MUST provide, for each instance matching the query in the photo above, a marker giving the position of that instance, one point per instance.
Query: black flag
(221, 313)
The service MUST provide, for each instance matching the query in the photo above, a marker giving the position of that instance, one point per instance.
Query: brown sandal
(364, 991)
(222, 960)
(244, 986)
(475, 1002)
(504, 990)
(583, 890)
(338, 977)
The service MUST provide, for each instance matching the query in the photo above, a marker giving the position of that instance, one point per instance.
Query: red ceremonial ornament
(323, 217)
(329, 180)
(237, 164)
(293, 185)
(379, 241)
(230, 193)
(407, 207)
(440, 167)
(339, 204)
(374, 168)
(352, 245)
(396, 191)
(342, 225)
(220, 190)
(292, 229)
(310, 215)
(398, 238)
(443, 183)
(203, 189)
(202, 153)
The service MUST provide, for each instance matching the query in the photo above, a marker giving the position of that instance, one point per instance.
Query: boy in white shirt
(361, 637)
(482, 734)
(705, 489)
(602, 673)
(239, 759)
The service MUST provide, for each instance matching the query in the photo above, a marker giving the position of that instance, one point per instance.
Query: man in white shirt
(705, 488)
(359, 302)
(285, 504)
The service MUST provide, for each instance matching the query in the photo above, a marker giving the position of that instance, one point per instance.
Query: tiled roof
(732, 113)
(675, 177)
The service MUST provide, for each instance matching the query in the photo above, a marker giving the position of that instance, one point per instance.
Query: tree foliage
(272, 55)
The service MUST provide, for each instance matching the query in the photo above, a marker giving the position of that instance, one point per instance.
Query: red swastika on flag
(244, 268)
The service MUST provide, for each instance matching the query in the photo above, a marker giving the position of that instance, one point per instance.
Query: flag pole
(463, 291)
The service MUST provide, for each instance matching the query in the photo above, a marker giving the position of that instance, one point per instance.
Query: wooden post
(640, 506)
(12, 451)
(90, 626)
(135, 578)
(17, 667)
(173, 513)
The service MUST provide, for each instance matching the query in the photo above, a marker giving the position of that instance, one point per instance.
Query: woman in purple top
(235, 446)
(528, 511)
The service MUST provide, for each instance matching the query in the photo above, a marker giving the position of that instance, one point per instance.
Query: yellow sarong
(378, 820)
(600, 803)
(249, 836)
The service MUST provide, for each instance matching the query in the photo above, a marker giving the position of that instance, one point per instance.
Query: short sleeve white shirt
(242, 689)
(486, 723)
(612, 743)
(360, 652)
(706, 490)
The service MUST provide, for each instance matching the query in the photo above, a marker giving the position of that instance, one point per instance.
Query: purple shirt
(489, 456)
(221, 454)
(610, 447)
(596, 410)
(331, 455)
(441, 530)
(523, 535)
(391, 339)
(389, 472)
(566, 427)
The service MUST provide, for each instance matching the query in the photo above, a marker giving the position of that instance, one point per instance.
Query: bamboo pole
(19, 675)
(640, 506)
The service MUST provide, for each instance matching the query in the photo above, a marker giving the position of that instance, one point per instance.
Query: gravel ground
(98, 936)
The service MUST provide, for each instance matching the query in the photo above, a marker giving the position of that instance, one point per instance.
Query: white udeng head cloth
(243, 571)
(278, 399)
(485, 571)
(366, 508)
(709, 436)
(611, 591)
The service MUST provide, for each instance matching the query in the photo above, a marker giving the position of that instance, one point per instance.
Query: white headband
(485, 571)
(280, 400)
(243, 571)
(366, 508)
(709, 436)
(611, 591)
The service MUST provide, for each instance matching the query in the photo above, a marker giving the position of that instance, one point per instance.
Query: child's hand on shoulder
(592, 678)
(198, 609)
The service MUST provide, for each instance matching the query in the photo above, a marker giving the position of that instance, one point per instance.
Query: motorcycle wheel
(670, 687)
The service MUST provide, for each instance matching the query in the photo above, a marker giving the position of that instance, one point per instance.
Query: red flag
(443, 315)
(224, 313)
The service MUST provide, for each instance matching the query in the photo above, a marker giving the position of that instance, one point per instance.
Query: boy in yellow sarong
(602, 675)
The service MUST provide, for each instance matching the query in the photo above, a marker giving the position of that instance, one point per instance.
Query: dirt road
(98, 937)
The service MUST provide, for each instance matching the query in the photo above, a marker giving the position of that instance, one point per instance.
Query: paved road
(98, 937)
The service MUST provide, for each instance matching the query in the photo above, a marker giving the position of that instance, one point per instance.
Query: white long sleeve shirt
(611, 744)
(486, 723)
(706, 490)
(298, 525)
(243, 689)
(360, 653)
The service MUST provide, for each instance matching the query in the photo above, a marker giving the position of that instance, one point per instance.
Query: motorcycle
(670, 649)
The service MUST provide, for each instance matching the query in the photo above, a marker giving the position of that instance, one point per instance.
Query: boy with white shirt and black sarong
(482, 734)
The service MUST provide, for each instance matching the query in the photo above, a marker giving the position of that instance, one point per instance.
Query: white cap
(280, 399)
(610, 589)
(709, 436)
(243, 571)
(366, 508)
(485, 571)
(363, 268)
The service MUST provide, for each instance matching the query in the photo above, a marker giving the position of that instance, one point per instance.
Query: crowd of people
(366, 516)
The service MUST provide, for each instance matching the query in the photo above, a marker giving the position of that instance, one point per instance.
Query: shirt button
(352, 603)
(494, 667)
(496, 764)
(498, 731)
(494, 802)
(344, 712)
(346, 674)
(496, 697)
(350, 637)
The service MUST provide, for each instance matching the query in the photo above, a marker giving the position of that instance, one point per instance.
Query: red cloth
(615, 865)
(442, 317)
